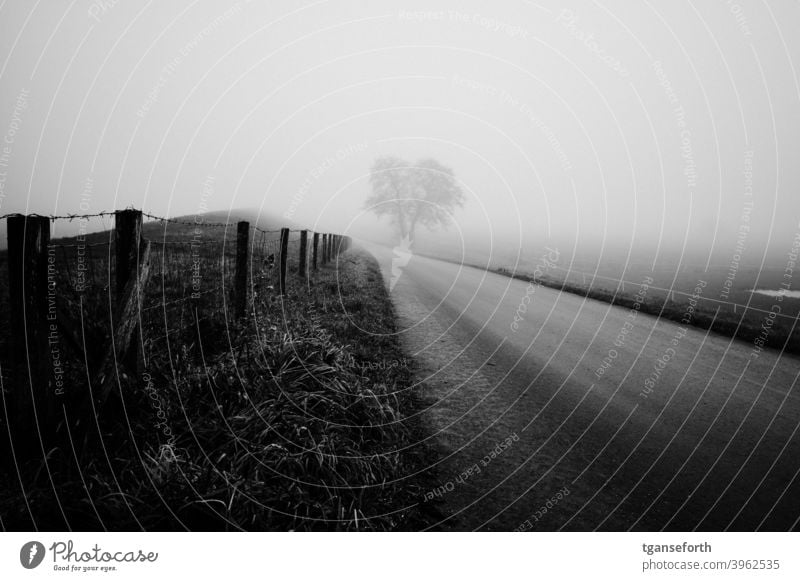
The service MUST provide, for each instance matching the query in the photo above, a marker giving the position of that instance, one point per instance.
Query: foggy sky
(594, 125)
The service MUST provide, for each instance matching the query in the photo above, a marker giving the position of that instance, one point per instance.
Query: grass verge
(750, 326)
(295, 418)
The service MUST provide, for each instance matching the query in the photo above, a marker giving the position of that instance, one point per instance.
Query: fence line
(123, 279)
(69, 217)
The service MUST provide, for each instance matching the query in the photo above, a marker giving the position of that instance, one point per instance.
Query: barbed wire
(257, 229)
(194, 223)
(81, 245)
(182, 242)
(109, 213)
(69, 217)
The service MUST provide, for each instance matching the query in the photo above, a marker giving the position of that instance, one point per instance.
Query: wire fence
(143, 285)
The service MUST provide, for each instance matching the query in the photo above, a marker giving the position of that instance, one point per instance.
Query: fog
(651, 130)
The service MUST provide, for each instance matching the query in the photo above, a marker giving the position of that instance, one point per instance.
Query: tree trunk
(401, 221)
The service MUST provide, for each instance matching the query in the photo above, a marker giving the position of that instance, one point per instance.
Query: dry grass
(285, 420)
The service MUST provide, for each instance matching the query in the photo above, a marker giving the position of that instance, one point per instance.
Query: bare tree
(424, 193)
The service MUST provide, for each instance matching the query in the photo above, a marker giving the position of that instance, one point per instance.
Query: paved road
(678, 432)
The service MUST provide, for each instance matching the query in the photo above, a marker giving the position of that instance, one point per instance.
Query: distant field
(739, 312)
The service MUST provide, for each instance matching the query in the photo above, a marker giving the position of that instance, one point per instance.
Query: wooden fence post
(316, 245)
(240, 278)
(125, 328)
(128, 235)
(303, 250)
(128, 239)
(328, 248)
(33, 322)
(284, 254)
(324, 249)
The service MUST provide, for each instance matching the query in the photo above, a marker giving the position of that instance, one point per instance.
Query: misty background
(643, 132)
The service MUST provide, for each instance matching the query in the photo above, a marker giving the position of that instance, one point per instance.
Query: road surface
(586, 416)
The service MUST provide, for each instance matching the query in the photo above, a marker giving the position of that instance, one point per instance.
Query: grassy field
(295, 417)
(725, 303)
(673, 291)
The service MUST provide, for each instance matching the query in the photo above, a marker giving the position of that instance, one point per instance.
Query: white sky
(557, 123)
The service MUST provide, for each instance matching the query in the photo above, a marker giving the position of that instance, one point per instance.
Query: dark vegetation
(292, 418)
